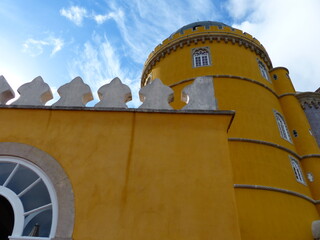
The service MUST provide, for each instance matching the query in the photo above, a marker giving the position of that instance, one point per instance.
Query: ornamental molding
(309, 99)
(265, 143)
(229, 76)
(271, 144)
(274, 189)
(203, 37)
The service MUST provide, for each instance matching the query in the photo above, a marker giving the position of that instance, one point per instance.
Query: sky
(99, 40)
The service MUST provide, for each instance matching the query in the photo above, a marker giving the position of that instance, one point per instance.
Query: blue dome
(194, 25)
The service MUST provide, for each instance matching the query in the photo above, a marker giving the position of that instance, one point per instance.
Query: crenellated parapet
(203, 34)
(199, 95)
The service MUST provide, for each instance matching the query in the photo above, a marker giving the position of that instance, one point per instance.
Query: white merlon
(199, 95)
(35, 93)
(75, 94)
(115, 94)
(316, 229)
(156, 96)
(6, 92)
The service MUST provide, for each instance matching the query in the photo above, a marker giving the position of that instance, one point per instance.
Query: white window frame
(297, 170)
(282, 126)
(201, 57)
(263, 70)
(17, 206)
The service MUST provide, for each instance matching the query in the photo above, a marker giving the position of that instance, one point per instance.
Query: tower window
(297, 170)
(283, 129)
(201, 57)
(263, 70)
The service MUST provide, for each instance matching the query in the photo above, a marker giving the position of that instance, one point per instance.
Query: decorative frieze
(161, 51)
(199, 95)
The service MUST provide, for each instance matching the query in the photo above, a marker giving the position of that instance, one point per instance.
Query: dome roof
(194, 25)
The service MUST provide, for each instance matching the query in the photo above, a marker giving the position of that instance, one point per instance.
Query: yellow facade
(225, 173)
(260, 157)
(137, 175)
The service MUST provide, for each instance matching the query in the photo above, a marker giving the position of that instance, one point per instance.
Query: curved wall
(260, 157)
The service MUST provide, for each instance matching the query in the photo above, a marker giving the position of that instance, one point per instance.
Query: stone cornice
(230, 76)
(219, 36)
(311, 99)
(271, 144)
(274, 189)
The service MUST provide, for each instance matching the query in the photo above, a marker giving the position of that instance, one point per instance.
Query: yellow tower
(271, 149)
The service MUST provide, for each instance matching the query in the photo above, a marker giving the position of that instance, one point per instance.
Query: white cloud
(287, 29)
(57, 45)
(147, 22)
(99, 63)
(75, 14)
(35, 47)
(101, 18)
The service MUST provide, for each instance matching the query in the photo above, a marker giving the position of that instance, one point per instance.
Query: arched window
(32, 198)
(263, 70)
(297, 170)
(201, 57)
(36, 197)
(284, 133)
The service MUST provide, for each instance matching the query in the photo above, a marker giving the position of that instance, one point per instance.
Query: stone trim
(194, 38)
(274, 189)
(311, 99)
(287, 94)
(108, 109)
(274, 145)
(58, 178)
(265, 143)
(310, 156)
(229, 76)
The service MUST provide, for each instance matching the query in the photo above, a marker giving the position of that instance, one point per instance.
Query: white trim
(297, 170)
(44, 207)
(49, 186)
(204, 58)
(29, 187)
(18, 210)
(282, 126)
(11, 175)
(28, 238)
(263, 70)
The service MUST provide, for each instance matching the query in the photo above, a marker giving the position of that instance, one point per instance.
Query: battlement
(155, 96)
(202, 34)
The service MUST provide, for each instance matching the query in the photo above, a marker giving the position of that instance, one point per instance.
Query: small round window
(32, 198)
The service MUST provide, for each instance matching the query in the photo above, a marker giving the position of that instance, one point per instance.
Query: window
(31, 197)
(263, 70)
(149, 79)
(284, 133)
(297, 170)
(201, 57)
(40, 172)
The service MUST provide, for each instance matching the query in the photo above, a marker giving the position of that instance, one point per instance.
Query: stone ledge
(104, 109)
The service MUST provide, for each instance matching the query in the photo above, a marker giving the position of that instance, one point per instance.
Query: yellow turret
(274, 197)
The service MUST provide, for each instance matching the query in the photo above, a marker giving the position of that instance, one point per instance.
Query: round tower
(273, 196)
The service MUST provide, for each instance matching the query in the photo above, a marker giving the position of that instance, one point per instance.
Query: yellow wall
(258, 153)
(272, 215)
(137, 175)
